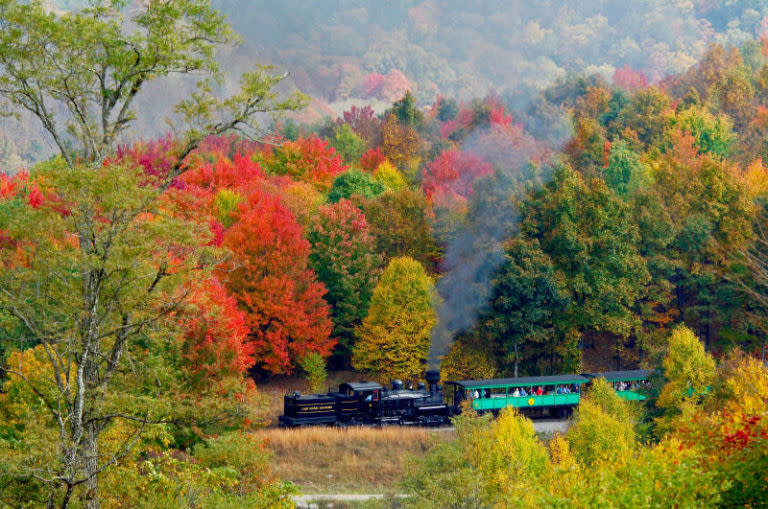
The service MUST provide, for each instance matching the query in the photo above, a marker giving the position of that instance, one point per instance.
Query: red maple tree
(310, 160)
(215, 333)
(452, 174)
(271, 279)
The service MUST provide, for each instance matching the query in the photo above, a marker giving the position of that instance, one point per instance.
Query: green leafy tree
(625, 173)
(109, 266)
(393, 340)
(348, 144)
(710, 214)
(525, 304)
(592, 241)
(354, 182)
(313, 366)
(115, 362)
(79, 73)
(407, 112)
(344, 258)
(644, 116)
(713, 134)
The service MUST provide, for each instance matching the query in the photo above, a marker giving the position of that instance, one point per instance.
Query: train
(368, 403)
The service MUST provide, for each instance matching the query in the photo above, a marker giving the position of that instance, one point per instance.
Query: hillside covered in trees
(615, 218)
(362, 52)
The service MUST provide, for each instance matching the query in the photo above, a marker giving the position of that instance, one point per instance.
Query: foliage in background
(393, 340)
(313, 366)
(354, 182)
(345, 260)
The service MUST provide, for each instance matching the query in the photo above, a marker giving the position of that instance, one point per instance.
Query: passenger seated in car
(539, 391)
(523, 392)
(516, 393)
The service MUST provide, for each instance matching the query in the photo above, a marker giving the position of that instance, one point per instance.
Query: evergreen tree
(526, 303)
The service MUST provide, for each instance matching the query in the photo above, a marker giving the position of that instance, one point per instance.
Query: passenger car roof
(529, 380)
(611, 376)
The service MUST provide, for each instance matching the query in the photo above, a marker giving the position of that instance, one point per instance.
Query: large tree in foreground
(97, 291)
(92, 264)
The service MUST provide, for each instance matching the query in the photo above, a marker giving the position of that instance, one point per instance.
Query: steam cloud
(477, 249)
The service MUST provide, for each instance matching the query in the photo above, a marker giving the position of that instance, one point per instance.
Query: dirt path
(546, 427)
(549, 427)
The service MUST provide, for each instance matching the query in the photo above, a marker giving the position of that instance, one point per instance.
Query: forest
(609, 214)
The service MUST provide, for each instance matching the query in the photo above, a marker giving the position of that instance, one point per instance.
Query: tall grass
(347, 460)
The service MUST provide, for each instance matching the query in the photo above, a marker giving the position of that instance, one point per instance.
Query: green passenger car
(627, 384)
(557, 395)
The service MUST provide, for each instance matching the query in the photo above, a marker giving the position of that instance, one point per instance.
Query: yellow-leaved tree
(393, 340)
(390, 176)
(689, 371)
(603, 431)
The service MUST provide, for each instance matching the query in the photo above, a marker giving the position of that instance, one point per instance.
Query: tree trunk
(65, 500)
(516, 359)
(708, 328)
(90, 454)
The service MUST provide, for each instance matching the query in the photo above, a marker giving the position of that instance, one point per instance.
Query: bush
(313, 366)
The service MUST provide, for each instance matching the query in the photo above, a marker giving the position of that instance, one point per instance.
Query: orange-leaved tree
(269, 274)
(215, 334)
(310, 160)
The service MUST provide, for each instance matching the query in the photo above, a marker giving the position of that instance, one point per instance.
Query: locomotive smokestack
(432, 377)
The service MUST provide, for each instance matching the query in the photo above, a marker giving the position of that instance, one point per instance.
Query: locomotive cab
(365, 395)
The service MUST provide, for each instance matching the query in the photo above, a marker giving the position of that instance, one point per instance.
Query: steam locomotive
(368, 403)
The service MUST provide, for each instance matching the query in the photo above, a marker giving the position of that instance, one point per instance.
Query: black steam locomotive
(368, 403)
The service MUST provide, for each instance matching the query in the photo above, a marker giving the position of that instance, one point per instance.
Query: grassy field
(347, 460)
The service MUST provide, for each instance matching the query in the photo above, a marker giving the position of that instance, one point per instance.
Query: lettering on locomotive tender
(316, 407)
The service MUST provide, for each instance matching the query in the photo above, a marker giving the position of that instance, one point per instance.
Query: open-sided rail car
(557, 395)
(627, 384)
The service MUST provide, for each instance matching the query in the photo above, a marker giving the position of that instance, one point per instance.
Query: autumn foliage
(345, 260)
(310, 160)
(215, 333)
(393, 340)
(272, 281)
(450, 176)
